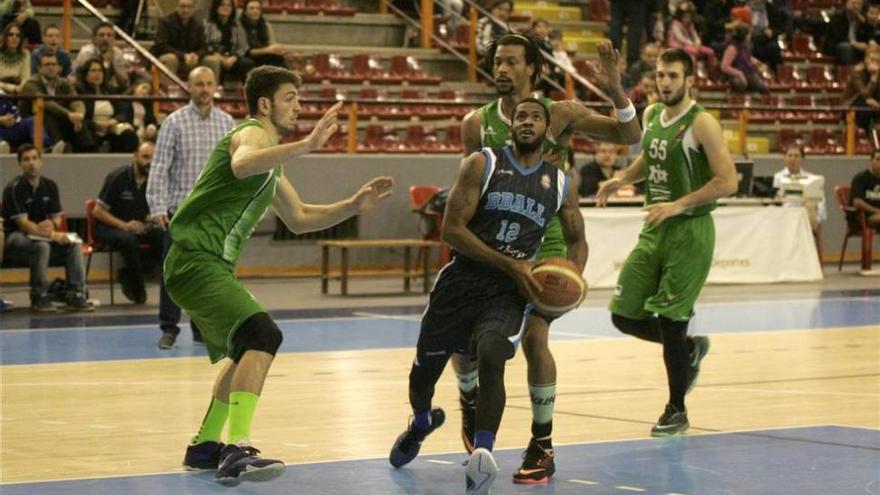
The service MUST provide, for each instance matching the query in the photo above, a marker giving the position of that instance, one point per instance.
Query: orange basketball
(563, 286)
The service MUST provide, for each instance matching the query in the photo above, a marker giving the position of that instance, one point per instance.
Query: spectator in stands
(645, 92)
(488, 30)
(541, 32)
(15, 60)
(21, 12)
(598, 170)
(452, 10)
(843, 34)
(635, 13)
(738, 64)
(122, 222)
(863, 88)
(865, 192)
(103, 47)
(558, 50)
(33, 218)
(64, 119)
(186, 139)
(765, 46)
(716, 23)
(646, 64)
(794, 160)
(870, 29)
(140, 113)
(227, 39)
(104, 118)
(14, 130)
(51, 41)
(683, 34)
(180, 41)
(262, 47)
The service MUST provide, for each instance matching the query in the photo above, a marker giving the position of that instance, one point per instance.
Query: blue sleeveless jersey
(516, 204)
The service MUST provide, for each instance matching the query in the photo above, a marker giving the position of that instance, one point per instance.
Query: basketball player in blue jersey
(496, 216)
(516, 67)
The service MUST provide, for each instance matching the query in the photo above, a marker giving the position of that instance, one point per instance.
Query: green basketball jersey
(495, 131)
(675, 165)
(221, 211)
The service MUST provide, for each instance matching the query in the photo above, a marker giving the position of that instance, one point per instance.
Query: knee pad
(257, 333)
(493, 350)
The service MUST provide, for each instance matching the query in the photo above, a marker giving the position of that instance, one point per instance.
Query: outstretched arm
(254, 153)
(624, 129)
(303, 217)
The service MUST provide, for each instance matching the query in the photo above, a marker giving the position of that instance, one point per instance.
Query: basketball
(563, 286)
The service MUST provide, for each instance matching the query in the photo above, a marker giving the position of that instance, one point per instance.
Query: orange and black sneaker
(468, 420)
(537, 466)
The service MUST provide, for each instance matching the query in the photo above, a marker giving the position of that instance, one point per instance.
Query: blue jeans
(37, 253)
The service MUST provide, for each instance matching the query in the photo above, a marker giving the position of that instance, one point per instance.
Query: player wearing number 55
(496, 216)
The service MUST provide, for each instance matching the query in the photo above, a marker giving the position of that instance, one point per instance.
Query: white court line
(387, 317)
(630, 488)
(583, 482)
(435, 461)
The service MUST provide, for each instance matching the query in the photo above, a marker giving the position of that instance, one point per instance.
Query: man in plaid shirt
(186, 139)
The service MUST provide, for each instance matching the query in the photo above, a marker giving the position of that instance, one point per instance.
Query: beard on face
(676, 98)
(282, 127)
(525, 147)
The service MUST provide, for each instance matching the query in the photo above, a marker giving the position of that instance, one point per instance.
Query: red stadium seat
(767, 115)
(824, 142)
(600, 10)
(740, 100)
(408, 69)
(787, 137)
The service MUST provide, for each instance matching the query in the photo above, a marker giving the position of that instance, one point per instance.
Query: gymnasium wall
(324, 178)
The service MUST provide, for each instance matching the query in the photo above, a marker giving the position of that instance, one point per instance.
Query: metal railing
(353, 112)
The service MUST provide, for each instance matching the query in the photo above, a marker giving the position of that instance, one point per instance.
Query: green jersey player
(516, 66)
(242, 178)
(686, 166)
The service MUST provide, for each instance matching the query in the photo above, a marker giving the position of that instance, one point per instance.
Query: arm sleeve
(157, 181)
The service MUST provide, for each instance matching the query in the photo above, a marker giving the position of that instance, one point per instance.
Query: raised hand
(325, 128)
(607, 74)
(371, 193)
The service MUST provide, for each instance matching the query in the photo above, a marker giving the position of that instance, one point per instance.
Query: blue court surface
(398, 327)
(826, 460)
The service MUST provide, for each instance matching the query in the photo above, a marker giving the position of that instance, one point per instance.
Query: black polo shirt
(122, 196)
(866, 186)
(37, 204)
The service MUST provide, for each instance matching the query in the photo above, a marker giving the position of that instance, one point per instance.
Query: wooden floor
(106, 418)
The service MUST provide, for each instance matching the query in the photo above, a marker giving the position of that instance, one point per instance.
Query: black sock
(675, 356)
(541, 433)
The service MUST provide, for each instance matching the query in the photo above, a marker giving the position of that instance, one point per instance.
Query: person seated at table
(603, 167)
(793, 171)
(865, 192)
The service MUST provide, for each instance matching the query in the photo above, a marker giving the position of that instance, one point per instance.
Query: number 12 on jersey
(509, 231)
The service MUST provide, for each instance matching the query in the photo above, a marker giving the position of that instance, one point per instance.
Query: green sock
(241, 411)
(212, 424)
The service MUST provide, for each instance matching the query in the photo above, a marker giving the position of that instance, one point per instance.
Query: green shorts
(554, 245)
(205, 287)
(665, 272)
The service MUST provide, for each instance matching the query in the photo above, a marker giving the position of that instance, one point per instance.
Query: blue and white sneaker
(481, 472)
(243, 463)
(408, 443)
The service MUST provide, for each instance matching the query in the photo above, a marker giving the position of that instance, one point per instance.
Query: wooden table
(407, 272)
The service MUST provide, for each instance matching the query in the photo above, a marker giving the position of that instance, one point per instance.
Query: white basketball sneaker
(481, 472)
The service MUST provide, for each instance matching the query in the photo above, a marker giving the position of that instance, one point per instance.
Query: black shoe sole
(266, 473)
